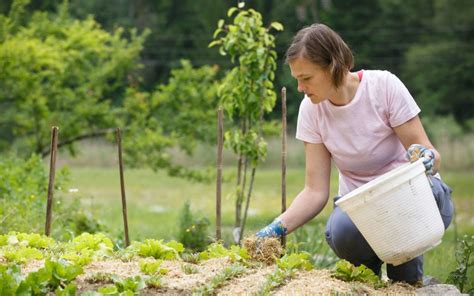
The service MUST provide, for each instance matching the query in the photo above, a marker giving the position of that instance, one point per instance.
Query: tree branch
(95, 134)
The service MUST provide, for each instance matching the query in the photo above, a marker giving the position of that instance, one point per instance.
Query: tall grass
(455, 145)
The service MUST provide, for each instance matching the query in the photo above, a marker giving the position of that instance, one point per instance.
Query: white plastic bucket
(396, 213)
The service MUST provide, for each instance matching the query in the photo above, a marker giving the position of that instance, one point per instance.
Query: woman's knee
(347, 242)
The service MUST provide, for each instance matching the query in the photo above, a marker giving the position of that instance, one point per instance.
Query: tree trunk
(249, 193)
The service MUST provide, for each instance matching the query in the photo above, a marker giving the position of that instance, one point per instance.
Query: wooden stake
(283, 156)
(52, 173)
(122, 187)
(220, 146)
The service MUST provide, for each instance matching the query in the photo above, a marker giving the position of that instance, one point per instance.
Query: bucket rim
(416, 166)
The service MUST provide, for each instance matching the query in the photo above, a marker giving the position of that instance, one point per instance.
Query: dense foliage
(57, 70)
(193, 231)
(178, 114)
(23, 192)
(428, 42)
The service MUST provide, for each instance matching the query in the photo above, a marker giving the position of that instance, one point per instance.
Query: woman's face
(313, 80)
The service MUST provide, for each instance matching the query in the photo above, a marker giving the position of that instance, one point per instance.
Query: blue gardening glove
(417, 151)
(274, 229)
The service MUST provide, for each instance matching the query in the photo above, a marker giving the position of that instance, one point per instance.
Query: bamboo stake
(118, 135)
(220, 145)
(283, 156)
(52, 173)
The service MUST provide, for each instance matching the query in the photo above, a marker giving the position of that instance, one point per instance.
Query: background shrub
(193, 232)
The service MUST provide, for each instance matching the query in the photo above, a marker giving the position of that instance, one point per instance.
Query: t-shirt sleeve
(400, 104)
(307, 129)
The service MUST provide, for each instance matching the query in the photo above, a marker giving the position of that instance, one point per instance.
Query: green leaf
(222, 51)
(69, 290)
(216, 32)
(10, 278)
(157, 249)
(220, 23)
(231, 11)
(277, 26)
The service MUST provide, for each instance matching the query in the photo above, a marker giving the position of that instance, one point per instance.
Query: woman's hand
(274, 229)
(417, 151)
(412, 132)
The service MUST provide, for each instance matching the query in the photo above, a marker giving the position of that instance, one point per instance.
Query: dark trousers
(348, 243)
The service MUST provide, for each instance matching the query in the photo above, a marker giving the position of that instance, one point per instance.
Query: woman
(365, 122)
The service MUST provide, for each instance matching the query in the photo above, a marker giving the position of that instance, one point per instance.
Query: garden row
(33, 264)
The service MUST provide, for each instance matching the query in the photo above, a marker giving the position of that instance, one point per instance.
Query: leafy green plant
(10, 279)
(193, 232)
(464, 259)
(89, 241)
(100, 277)
(219, 279)
(81, 258)
(152, 267)
(217, 250)
(33, 240)
(54, 276)
(21, 254)
(154, 281)
(346, 271)
(125, 287)
(286, 268)
(157, 249)
(132, 284)
(193, 258)
(246, 94)
(189, 269)
(86, 247)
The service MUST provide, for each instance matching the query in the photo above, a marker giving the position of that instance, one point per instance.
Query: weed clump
(265, 250)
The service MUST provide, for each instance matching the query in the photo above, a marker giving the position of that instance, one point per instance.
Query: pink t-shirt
(359, 135)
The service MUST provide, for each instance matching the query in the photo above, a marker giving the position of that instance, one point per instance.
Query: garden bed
(177, 282)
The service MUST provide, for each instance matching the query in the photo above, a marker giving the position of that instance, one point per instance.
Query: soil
(177, 282)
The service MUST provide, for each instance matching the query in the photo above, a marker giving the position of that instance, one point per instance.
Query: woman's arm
(412, 132)
(312, 199)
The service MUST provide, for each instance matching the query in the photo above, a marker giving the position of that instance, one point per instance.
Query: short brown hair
(324, 47)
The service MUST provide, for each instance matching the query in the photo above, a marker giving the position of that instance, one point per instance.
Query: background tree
(439, 69)
(380, 32)
(59, 71)
(178, 114)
